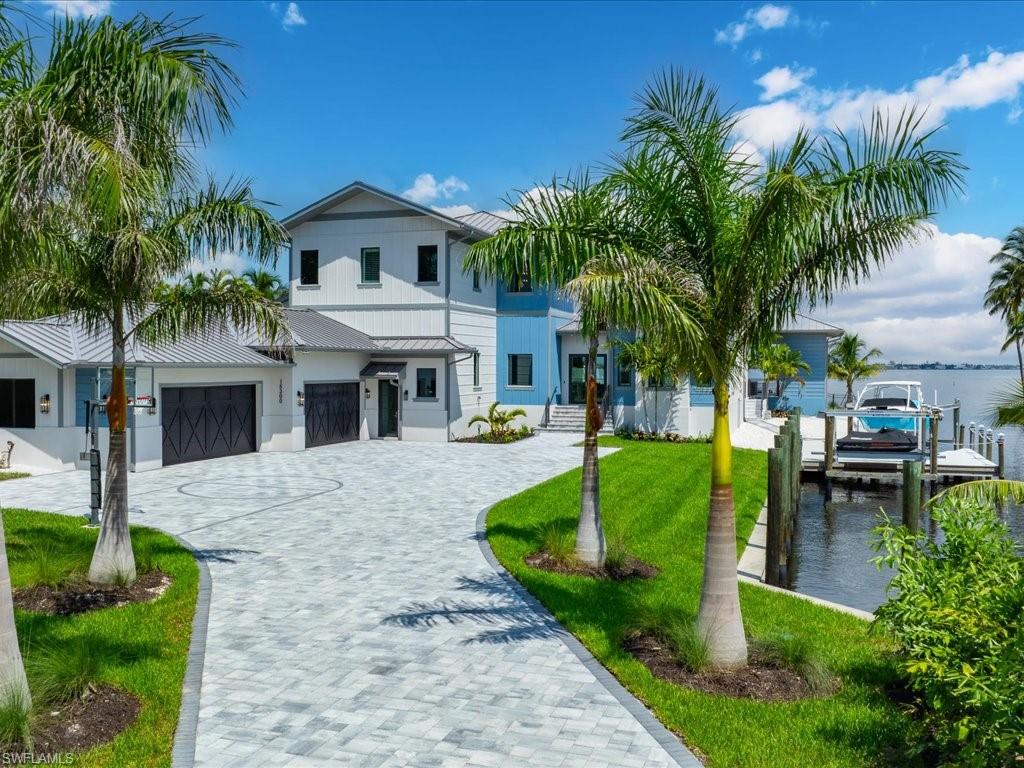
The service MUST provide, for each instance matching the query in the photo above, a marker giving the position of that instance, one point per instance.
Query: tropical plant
(569, 235)
(761, 241)
(955, 612)
(267, 283)
(15, 700)
(780, 363)
(498, 421)
(849, 360)
(1005, 295)
(653, 361)
(97, 172)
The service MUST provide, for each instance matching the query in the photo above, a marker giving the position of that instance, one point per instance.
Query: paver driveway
(354, 620)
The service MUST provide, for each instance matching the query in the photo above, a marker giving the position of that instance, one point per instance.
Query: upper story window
(309, 267)
(625, 378)
(426, 382)
(427, 261)
(18, 403)
(520, 283)
(476, 279)
(520, 370)
(369, 265)
(476, 369)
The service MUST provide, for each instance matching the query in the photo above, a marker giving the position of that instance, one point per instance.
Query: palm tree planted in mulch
(100, 181)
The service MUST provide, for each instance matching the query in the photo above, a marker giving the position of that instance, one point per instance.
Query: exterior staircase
(572, 418)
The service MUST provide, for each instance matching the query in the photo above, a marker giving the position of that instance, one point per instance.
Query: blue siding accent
(700, 396)
(527, 335)
(537, 301)
(85, 389)
(620, 395)
(813, 347)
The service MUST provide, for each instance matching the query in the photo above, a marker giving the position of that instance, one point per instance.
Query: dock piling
(956, 422)
(912, 495)
(960, 437)
(1001, 443)
(990, 438)
(934, 441)
(773, 540)
(830, 443)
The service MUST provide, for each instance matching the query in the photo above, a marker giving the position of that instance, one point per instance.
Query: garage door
(332, 413)
(207, 422)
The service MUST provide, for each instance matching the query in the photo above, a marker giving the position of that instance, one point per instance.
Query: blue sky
(497, 97)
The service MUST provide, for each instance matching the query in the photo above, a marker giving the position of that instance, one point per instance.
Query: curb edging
(662, 735)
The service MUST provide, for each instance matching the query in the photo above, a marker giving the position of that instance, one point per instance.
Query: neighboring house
(391, 339)
(812, 339)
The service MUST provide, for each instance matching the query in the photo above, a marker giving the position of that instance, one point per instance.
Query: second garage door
(332, 413)
(207, 422)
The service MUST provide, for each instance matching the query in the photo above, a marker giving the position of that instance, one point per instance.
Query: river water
(832, 548)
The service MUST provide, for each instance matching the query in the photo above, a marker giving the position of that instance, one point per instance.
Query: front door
(387, 415)
(578, 378)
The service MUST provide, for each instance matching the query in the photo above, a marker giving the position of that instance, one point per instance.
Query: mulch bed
(484, 438)
(633, 568)
(81, 596)
(81, 724)
(760, 680)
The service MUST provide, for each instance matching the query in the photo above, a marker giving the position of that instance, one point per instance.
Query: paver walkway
(354, 620)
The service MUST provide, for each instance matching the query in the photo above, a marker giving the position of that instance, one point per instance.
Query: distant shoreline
(950, 367)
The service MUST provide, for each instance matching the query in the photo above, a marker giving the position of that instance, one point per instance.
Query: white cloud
(293, 17)
(774, 123)
(455, 210)
(756, 55)
(426, 189)
(766, 17)
(229, 260)
(782, 80)
(926, 304)
(78, 9)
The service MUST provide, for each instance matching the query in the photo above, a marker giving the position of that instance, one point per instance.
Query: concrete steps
(570, 418)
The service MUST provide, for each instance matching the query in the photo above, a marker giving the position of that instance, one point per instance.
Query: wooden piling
(970, 436)
(960, 437)
(796, 463)
(912, 495)
(934, 441)
(830, 443)
(773, 538)
(989, 440)
(1001, 444)
(956, 422)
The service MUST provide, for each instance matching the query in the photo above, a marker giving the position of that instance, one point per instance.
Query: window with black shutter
(369, 259)
(18, 403)
(309, 267)
(520, 370)
(427, 259)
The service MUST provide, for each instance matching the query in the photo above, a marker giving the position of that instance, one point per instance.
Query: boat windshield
(887, 395)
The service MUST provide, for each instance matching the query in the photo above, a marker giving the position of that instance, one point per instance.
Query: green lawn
(142, 647)
(656, 495)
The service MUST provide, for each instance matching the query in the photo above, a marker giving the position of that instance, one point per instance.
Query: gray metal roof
(421, 344)
(316, 332)
(349, 190)
(382, 371)
(64, 342)
(573, 326)
(806, 324)
(485, 220)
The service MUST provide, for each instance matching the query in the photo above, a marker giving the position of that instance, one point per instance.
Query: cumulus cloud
(293, 17)
(926, 304)
(766, 17)
(455, 210)
(78, 9)
(782, 80)
(996, 79)
(426, 189)
(229, 260)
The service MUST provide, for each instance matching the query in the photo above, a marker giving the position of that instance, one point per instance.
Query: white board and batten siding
(473, 322)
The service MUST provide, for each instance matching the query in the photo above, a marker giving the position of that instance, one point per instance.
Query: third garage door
(206, 422)
(332, 413)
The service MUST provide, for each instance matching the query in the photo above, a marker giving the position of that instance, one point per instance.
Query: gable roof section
(421, 344)
(806, 324)
(349, 191)
(485, 220)
(313, 331)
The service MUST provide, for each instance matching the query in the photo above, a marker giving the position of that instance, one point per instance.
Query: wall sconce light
(301, 398)
(44, 404)
(406, 395)
(367, 389)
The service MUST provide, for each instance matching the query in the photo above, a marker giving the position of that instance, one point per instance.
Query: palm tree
(13, 683)
(653, 362)
(780, 362)
(570, 235)
(267, 283)
(848, 361)
(1005, 295)
(761, 242)
(129, 100)
(497, 420)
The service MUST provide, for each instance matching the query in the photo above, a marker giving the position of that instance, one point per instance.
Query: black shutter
(6, 403)
(25, 403)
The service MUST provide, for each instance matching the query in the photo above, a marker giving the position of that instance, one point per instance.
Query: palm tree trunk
(719, 619)
(589, 533)
(1020, 363)
(113, 560)
(13, 684)
(849, 404)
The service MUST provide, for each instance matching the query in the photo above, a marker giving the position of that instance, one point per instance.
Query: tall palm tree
(1005, 295)
(267, 283)
(126, 101)
(569, 235)
(849, 360)
(760, 242)
(780, 362)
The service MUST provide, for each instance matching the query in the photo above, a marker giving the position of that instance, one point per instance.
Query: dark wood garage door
(332, 413)
(207, 422)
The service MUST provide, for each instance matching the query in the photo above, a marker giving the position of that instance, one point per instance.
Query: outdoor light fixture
(367, 392)
(44, 404)
(301, 398)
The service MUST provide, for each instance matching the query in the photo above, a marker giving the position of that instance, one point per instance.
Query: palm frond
(996, 492)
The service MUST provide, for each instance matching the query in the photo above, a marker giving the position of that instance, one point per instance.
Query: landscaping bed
(105, 665)
(655, 496)
(7, 475)
(512, 436)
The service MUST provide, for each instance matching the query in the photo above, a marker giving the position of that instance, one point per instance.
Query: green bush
(955, 612)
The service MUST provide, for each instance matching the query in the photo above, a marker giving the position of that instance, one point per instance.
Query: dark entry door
(387, 416)
(578, 378)
(332, 413)
(207, 422)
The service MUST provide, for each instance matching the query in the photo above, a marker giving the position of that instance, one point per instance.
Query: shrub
(616, 553)
(955, 612)
(797, 653)
(47, 566)
(14, 719)
(628, 433)
(66, 671)
(558, 543)
(677, 630)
